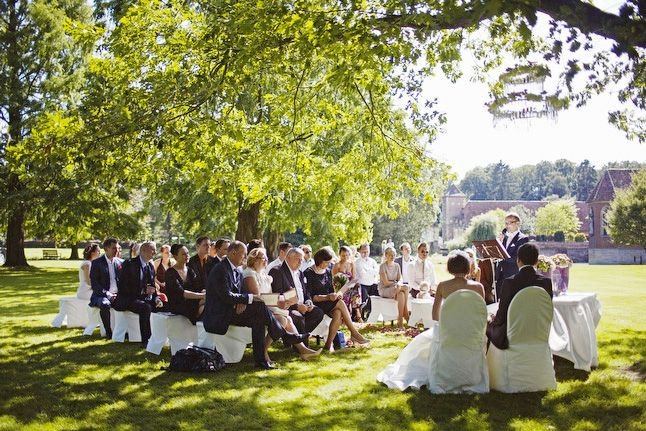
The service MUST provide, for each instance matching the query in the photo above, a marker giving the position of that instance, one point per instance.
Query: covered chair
(457, 359)
(526, 366)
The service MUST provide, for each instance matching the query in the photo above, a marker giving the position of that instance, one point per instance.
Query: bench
(383, 309)
(421, 310)
(50, 254)
(72, 312)
(230, 345)
(173, 329)
(321, 331)
(126, 322)
(94, 320)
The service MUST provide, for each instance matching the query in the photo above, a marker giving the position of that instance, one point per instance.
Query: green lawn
(57, 379)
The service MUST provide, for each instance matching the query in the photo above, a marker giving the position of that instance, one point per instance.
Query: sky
(470, 138)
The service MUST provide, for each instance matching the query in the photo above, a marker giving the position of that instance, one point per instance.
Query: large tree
(627, 215)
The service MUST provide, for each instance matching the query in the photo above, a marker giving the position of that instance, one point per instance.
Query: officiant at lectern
(512, 238)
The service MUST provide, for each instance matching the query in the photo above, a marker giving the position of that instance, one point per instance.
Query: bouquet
(544, 264)
(562, 260)
(339, 281)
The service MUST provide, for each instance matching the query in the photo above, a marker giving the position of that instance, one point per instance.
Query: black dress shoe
(265, 366)
(290, 339)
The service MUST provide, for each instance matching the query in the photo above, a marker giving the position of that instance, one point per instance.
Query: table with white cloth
(421, 310)
(573, 336)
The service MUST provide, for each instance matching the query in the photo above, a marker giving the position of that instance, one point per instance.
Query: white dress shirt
(367, 271)
(421, 270)
(306, 264)
(405, 268)
(274, 264)
(298, 286)
(113, 276)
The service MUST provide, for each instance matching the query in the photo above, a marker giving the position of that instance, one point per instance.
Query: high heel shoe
(364, 343)
(310, 355)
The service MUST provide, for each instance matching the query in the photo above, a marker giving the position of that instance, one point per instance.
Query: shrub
(456, 243)
(559, 236)
(580, 237)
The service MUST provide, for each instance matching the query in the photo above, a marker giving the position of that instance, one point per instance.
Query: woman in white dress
(256, 281)
(412, 367)
(90, 253)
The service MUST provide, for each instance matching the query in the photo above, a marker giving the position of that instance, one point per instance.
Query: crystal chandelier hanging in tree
(520, 94)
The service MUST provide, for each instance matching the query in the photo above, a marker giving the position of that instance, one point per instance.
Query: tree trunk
(248, 222)
(75, 252)
(272, 239)
(16, 238)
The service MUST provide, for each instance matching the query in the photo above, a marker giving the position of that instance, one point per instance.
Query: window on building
(591, 227)
(604, 220)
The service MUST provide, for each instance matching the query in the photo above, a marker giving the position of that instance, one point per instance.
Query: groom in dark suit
(226, 304)
(104, 279)
(305, 315)
(137, 291)
(512, 239)
(526, 277)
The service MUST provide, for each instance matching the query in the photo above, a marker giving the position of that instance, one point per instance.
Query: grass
(55, 379)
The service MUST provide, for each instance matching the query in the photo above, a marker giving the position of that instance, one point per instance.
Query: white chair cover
(72, 312)
(168, 328)
(323, 328)
(126, 322)
(94, 320)
(230, 345)
(457, 360)
(421, 310)
(383, 309)
(526, 366)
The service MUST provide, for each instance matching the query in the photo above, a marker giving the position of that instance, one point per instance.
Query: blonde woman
(474, 269)
(391, 285)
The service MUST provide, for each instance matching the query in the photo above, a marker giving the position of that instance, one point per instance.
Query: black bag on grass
(196, 360)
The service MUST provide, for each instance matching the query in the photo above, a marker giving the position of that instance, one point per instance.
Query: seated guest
(512, 239)
(104, 279)
(367, 272)
(474, 270)
(458, 265)
(221, 246)
(180, 282)
(421, 270)
(391, 285)
(213, 250)
(256, 282)
(137, 292)
(526, 277)
(404, 261)
(201, 262)
(227, 304)
(161, 266)
(305, 315)
(134, 250)
(351, 298)
(117, 257)
(255, 243)
(90, 253)
(320, 289)
(307, 256)
(283, 248)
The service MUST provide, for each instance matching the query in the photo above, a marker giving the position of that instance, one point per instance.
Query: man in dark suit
(526, 277)
(512, 239)
(104, 280)
(226, 304)
(137, 291)
(305, 315)
(201, 263)
(221, 249)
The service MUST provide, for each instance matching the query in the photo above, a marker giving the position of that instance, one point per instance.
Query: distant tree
(501, 185)
(543, 178)
(566, 168)
(524, 177)
(559, 215)
(558, 185)
(627, 215)
(585, 178)
(476, 184)
(485, 226)
(624, 164)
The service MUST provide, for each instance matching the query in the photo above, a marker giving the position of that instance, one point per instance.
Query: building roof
(453, 190)
(611, 180)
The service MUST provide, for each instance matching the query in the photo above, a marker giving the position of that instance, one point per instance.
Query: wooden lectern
(490, 251)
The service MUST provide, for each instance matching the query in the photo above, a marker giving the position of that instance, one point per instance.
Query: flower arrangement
(562, 260)
(339, 281)
(544, 264)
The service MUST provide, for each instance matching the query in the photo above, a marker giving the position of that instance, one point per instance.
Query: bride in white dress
(412, 366)
(90, 253)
